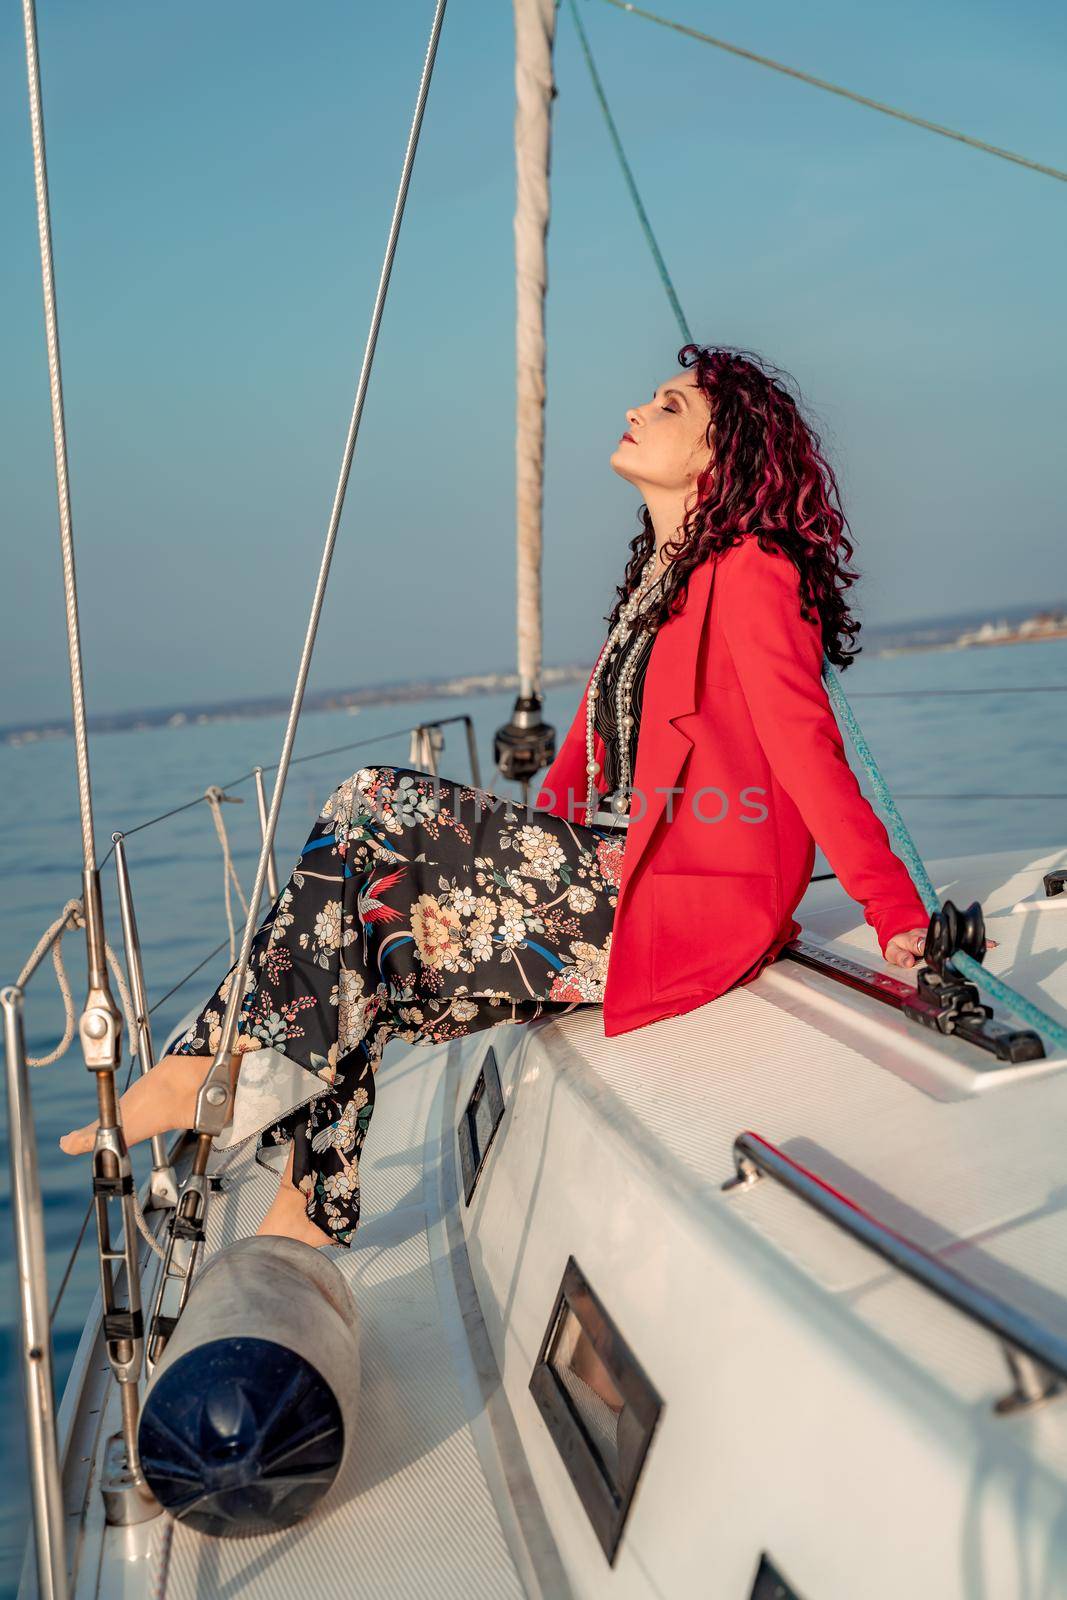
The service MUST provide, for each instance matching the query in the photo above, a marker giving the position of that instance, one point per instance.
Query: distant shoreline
(1032, 630)
(242, 710)
(885, 640)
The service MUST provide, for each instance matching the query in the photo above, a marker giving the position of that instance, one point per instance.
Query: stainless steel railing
(1036, 1355)
(35, 1329)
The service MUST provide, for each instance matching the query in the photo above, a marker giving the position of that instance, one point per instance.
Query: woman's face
(665, 445)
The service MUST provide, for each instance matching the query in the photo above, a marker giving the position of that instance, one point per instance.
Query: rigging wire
(69, 1268)
(183, 981)
(348, 454)
(1024, 688)
(235, 783)
(642, 215)
(192, 1201)
(846, 94)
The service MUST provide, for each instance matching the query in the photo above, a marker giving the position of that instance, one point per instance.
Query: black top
(604, 711)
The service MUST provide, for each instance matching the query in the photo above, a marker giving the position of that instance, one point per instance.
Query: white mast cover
(535, 26)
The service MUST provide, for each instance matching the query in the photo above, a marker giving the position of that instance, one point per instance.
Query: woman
(425, 910)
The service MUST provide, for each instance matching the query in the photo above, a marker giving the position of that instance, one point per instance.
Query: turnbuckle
(187, 1222)
(113, 1181)
(185, 1239)
(127, 1497)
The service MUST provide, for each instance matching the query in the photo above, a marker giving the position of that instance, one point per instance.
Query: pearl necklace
(623, 719)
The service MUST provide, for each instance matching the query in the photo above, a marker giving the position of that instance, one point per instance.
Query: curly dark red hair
(768, 479)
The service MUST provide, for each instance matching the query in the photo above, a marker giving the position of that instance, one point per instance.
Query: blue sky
(222, 178)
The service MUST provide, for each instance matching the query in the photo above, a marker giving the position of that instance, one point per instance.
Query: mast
(526, 744)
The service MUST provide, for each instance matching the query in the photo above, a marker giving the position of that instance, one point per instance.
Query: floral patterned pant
(420, 910)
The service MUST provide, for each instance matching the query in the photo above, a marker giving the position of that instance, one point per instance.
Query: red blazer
(739, 764)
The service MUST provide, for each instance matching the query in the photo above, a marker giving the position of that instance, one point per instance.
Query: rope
(74, 912)
(53, 936)
(214, 797)
(166, 1543)
(847, 94)
(147, 1235)
(59, 433)
(1017, 1003)
(72, 916)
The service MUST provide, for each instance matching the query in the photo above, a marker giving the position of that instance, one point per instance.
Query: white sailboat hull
(819, 1410)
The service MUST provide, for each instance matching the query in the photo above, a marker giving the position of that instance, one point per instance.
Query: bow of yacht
(724, 1305)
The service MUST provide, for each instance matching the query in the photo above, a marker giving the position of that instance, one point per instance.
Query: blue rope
(967, 965)
(1008, 997)
(661, 265)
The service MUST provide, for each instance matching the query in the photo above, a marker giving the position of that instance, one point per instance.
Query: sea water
(994, 743)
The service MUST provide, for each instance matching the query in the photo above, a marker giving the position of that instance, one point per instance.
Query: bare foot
(163, 1099)
(288, 1218)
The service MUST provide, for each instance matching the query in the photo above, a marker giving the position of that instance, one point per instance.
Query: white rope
(148, 1236)
(166, 1542)
(53, 936)
(214, 797)
(72, 916)
(59, 434)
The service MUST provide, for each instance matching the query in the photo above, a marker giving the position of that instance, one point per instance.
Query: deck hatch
(480, 1120)
(600, 1406)
(769, 1583)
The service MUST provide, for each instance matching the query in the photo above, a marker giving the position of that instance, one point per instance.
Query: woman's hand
(904, 948)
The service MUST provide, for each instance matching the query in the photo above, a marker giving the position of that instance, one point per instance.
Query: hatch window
(480, 1120)
(769, 1583)
(599, 1404)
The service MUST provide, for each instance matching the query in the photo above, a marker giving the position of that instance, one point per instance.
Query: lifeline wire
(858, 694)
(1009, 997)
